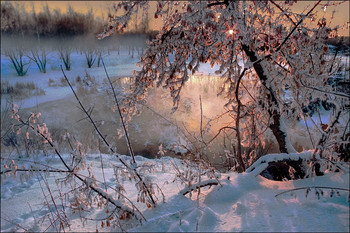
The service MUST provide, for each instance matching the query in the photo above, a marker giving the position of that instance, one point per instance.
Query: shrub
(21, 90)
(65, 57)
(18, 60)
(15, 20)
(39, 58)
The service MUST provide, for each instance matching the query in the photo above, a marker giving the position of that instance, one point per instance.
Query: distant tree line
(15, 20)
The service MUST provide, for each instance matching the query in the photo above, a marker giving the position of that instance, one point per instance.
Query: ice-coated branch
(33, 170)
(283, 11)
(133, 169)
(217, 134)
(289, 35)
(218, 3)
(327, 92)
(131, 151)
(309, 187)
(296, 26)
(320, 145)
(69, 170)
(198, 186)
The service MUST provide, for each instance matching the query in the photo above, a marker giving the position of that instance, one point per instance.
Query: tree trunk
(277, 130)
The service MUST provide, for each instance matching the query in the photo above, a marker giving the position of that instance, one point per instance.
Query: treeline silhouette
(15, 20)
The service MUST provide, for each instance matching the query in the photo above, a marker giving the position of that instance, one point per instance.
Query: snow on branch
(310, 187)
(263, 162)
(198, 185)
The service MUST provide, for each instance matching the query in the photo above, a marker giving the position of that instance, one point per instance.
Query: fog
(77, 43)
(155, 124)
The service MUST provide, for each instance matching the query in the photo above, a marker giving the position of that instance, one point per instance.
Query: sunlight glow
(230, 31)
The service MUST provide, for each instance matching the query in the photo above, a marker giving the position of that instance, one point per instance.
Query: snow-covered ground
(244, 202)
(118, 65)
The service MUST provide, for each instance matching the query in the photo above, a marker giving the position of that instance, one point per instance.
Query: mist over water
(155, 125)
(74, 42)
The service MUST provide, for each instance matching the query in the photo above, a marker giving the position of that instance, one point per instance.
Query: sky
(101, 9)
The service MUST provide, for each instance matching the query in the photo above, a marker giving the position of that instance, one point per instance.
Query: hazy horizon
(102, 8)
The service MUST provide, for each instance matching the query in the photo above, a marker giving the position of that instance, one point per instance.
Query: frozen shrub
(21, 90)
(90, 56)
(39, 58)
(64, 54)
(20, 64)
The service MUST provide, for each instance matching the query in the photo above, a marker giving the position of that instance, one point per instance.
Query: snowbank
(244, 202)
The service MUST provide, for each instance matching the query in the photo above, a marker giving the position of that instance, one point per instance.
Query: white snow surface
(244, 202)
(122, 65)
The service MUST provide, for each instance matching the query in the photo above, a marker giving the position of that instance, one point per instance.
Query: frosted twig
(198, 186)
(105, 141)
(120, 114)
(316, 187)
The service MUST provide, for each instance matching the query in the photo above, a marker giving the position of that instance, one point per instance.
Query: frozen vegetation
(244, 202)
(122, 134)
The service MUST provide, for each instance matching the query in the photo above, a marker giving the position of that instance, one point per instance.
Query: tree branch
(33, 170)
(95, 189)
(226, 127)
(280, 8)
(120, 114)
(218, 3)
(289, 35)
(198, 186)
(105, 141)
(315, 187)
(328, 92)
(295, 27)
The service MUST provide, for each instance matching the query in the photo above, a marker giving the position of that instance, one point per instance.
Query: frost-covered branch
(133, 168)
(43, 132)
(198, 186)
(32, 170)
(284, 55)
(310, 187)
(120, 114)
(320, 145)
(283, 11)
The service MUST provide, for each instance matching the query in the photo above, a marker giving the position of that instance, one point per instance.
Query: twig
(288, 36)
(318, 187)
(33, 170)
(120, 114)
(198, 186)
(295, 27)
(283, 11)
(325, 136)
(106, 143)
(95, 189)
(54, 203)
(16, 224)
(238, 133)
(48, 206)
(308, 130)
(103, 171)
(338, 166)
(328, 92)
(335, 55)
(201, 124)
(218, 3)
(226, 127)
